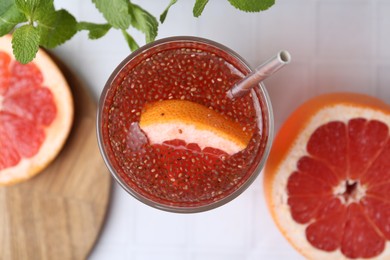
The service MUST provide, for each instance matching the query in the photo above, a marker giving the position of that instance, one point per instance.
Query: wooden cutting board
(59, 213)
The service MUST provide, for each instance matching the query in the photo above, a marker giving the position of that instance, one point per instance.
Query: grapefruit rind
(59, 129)
(282, 161)
(193, 123)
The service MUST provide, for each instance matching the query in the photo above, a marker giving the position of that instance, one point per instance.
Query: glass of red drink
(174, 175)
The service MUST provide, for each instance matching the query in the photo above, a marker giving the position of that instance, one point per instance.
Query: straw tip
(229, 94)
(284, 56)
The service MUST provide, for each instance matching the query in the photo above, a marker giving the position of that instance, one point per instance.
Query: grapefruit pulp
(36, 113)
(327, 180)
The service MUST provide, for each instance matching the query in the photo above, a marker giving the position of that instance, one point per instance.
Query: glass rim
(184, 209)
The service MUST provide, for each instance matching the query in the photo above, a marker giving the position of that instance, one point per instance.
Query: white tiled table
(336, 45)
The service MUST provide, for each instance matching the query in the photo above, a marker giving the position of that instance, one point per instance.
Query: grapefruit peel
(290, 145)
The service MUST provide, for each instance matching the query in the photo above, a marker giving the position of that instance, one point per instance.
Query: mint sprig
(38, 23)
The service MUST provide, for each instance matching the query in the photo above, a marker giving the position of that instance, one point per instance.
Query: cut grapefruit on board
(327, 180)
(36, 114)
(194, 124)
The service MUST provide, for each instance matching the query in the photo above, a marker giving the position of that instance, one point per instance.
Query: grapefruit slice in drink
(36, 113)
(327, 180)
(193, 123)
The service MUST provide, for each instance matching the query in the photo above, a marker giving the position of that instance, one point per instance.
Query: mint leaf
(130, 41)
(96, 31)
(25, 6)
(25, 43)
(199, 7)
(9, 16)
(144, 21)
(164, 14)
(35, 9)
(252, 5)
(56, 28)
(116, 12)
(45, 8)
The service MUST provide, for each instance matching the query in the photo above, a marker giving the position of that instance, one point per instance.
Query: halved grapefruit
(36, 114)
(327, 180)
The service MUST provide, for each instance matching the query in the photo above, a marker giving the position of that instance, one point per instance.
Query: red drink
(175, 175)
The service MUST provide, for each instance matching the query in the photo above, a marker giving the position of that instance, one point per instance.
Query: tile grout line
(374, 47)
(314, 63)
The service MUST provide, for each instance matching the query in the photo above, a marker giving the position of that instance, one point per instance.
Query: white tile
(344, 76)
(384, 83)
(383, 18)
(180, 12)
(274, 254)
(113, 43)
(66, 51)
(109, 251)
(159, 228)
(119, 226)
(288, 88)
(267, 239)
(225, 227)
(105, 64)
(288, 26)
(160, 255)
(71, 6)
(344, 29)
(89, 13)
(255, 186)
(230, 27)
(218, 256)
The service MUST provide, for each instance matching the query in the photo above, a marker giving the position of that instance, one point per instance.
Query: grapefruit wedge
(327, 180)
(36, 114)
(194, 124)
